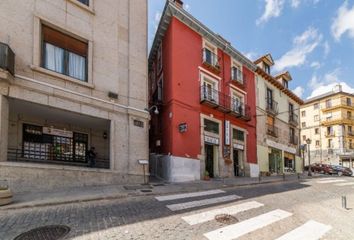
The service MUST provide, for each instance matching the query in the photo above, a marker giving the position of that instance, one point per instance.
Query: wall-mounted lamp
(156, 111)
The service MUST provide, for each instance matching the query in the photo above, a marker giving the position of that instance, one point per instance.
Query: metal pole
(144, 174)
(308, 149)
(344, 202)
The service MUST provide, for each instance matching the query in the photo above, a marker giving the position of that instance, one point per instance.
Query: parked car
(316, 167)
(343, 171)
(328, 169)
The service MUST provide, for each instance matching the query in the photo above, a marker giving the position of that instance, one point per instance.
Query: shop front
(211, 146)
(289, 162)
(275, 160)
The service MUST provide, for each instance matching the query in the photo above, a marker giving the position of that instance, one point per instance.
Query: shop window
(64, 54)
(211, 126)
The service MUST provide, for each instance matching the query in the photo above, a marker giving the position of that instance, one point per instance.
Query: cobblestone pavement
(147, 218)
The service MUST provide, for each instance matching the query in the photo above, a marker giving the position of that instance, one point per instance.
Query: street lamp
(152, 107)
(308, 141)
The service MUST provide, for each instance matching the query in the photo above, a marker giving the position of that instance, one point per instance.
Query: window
(330, 145)
(349, 114)
(86, 2)
(328, 103)
(317, 131)
(350, 129)
(330, 131)
(236, 74)
(303, 124)
(349, 101)
(316, 106)
(269, 98)
(237, 103)
(238, 135)
(316, 118)
(292, 136)
(211, 126)
(266, 68)
(210, 56)
(304, 137)
(317, 143)
(285, 84)
(209, 89)
(160, 90)
(350, 144)
(303, 113)
(64, 54)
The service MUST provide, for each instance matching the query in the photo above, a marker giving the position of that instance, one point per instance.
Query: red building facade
(204, 91)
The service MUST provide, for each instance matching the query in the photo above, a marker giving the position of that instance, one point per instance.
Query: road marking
(192, 204)
(239, 229)
(210, 215)
(327, 178)
(189, 195)
(344, 184)
(332, 181)
(311, 230)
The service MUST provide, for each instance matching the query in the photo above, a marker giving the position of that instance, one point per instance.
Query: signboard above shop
(57, 132)
(211, 140)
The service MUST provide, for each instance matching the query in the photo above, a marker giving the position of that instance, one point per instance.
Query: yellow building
(328, 120)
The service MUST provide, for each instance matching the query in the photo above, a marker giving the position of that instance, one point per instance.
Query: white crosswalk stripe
(332, 181)
(239, 229)
(329, 178)
(210, 215)
(198, 203)
(311, 230)
(188, 195)
(344, 184)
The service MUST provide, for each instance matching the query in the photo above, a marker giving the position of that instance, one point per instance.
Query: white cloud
(251, 55)
(303, 45)
(329, 87)
(295, 3)
(343, 22)
(315, 65)
(326, 48)
(157, 20)
(333, 76)
(299, 91)
(273, 9)
(187, 7)
(328, 78)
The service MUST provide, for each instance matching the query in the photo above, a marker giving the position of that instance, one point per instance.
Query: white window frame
(208, 80)
(235, 64)
(236, 95)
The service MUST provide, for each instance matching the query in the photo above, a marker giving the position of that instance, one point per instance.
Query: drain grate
(226, 218)
(52, 232)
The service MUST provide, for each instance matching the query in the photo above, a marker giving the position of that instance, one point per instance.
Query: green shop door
(275, 161)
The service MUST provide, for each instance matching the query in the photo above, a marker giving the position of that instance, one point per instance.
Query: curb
(122, 196)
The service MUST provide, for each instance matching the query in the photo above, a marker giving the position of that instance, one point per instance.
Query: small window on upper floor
(349, 101)
(303, 113)
(266, 68)
(303, 124)
(316, 118)
(285, 84)
(64, 54)
(316, 106)
(328, 103)
(86, 2)
(317, 131)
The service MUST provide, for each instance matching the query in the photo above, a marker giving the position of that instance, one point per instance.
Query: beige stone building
(73, 74)
(328, 120)
(277, 121)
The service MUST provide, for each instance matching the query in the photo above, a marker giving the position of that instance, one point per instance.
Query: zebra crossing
(234, 207)
(335, 181)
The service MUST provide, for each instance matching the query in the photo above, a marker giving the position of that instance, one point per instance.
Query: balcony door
(269, 98)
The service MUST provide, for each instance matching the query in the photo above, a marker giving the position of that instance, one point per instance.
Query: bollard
(344, 202)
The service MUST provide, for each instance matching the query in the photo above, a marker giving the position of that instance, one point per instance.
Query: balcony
(343, 103)
(240, 110)
(217, 100)
(293, 140)
(350, 134)
(293, 119)
(330, 134)
(7, 58)
(210, 60)
(344, 119)
(272, 130)
(272, 106)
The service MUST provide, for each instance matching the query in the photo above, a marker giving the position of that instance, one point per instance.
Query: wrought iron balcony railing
(293, 119)
(272, 130)
(224, 103)
(7, 58)
(271, 106)
(210, 59)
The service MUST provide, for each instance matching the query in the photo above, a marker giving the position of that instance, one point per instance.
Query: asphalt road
(266, 211)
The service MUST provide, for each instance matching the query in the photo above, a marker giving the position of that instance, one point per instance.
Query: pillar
(4, 124)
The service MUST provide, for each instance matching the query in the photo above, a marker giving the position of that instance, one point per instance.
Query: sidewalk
(84, 194)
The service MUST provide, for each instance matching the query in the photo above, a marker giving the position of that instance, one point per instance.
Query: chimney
(179, 3)
(337, 88)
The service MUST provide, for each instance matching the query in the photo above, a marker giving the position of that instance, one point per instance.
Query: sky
(312, 39)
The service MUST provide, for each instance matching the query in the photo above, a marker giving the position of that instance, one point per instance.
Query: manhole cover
(226, 218)
(53, 232)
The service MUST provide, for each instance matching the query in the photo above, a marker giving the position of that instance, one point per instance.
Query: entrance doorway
(275, 165)
(236, 163)
(209, 159)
